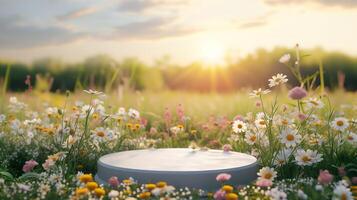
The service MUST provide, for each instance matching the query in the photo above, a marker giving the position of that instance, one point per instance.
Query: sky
(186, 30)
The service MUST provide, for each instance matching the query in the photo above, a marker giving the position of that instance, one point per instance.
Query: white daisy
(101, 134)
(250, 138)
(2, 118)
(267, 173)
(340, 124)
(121, 111)
(341, 192)
(134, 113)
(285, 58)
(258, 93)
(351, 138)
(314, 103)
(307, 158)
(239, 126)
(290, 137)
(94, 92)
(276, 194)
(283, 120)
(277, 80)
(260, 123)
(282, 157)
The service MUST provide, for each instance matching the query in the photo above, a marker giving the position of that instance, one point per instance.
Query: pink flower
(29, 165)
(258, 104)
(238, 117)
(113, 181)
(297, 93)
(302, 116)
(264, 183)
(223, 177)
(325, 177)
(227, 147)
(219, 195)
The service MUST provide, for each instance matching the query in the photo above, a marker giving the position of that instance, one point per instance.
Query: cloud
(152, 29)
(16, 33)
(340, 3)
(138, 6)
(77, 13)
(252, 24)
(256, 22)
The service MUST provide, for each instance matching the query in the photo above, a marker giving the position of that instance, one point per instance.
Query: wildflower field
(303, 137)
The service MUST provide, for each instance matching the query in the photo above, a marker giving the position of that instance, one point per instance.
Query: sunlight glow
(212, 52)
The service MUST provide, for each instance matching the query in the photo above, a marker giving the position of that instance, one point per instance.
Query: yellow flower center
(268, 175)
(100, 134)
(306, 159)
(253, 138)
(240, 126)
(339, 123)
(290, 137)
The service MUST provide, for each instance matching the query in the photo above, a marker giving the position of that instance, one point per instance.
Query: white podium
(179, 167)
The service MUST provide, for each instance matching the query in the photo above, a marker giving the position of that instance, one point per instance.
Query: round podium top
(177, 159)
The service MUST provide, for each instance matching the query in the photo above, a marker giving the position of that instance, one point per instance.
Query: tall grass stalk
(4, 87)
(322, 81)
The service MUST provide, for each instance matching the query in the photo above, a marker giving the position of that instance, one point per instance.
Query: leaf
(6, 176)
(29, 176)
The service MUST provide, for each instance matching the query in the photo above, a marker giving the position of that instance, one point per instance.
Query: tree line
(104, 73)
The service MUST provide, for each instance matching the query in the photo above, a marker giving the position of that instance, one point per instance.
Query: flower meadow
(306, 148)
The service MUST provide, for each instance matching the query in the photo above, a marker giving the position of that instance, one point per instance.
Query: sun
(212, 52)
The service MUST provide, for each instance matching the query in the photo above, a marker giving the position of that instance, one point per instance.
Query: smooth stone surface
(179, 167)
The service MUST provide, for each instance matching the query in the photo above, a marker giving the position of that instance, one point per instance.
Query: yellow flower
(81, 191)
(99, 192)
(119, 119)
(231, 196)
(129, 125)
(127, 181)
(180, 126)
(91, 185)
(137, 126)
(227, 188)
(161, 184)
(145, 195)
(74, 108)
(95, 116)
(150, 186)
(86, 178)
(193, 132)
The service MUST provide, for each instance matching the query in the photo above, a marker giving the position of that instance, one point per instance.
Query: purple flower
(297, 93)
(29, 165)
